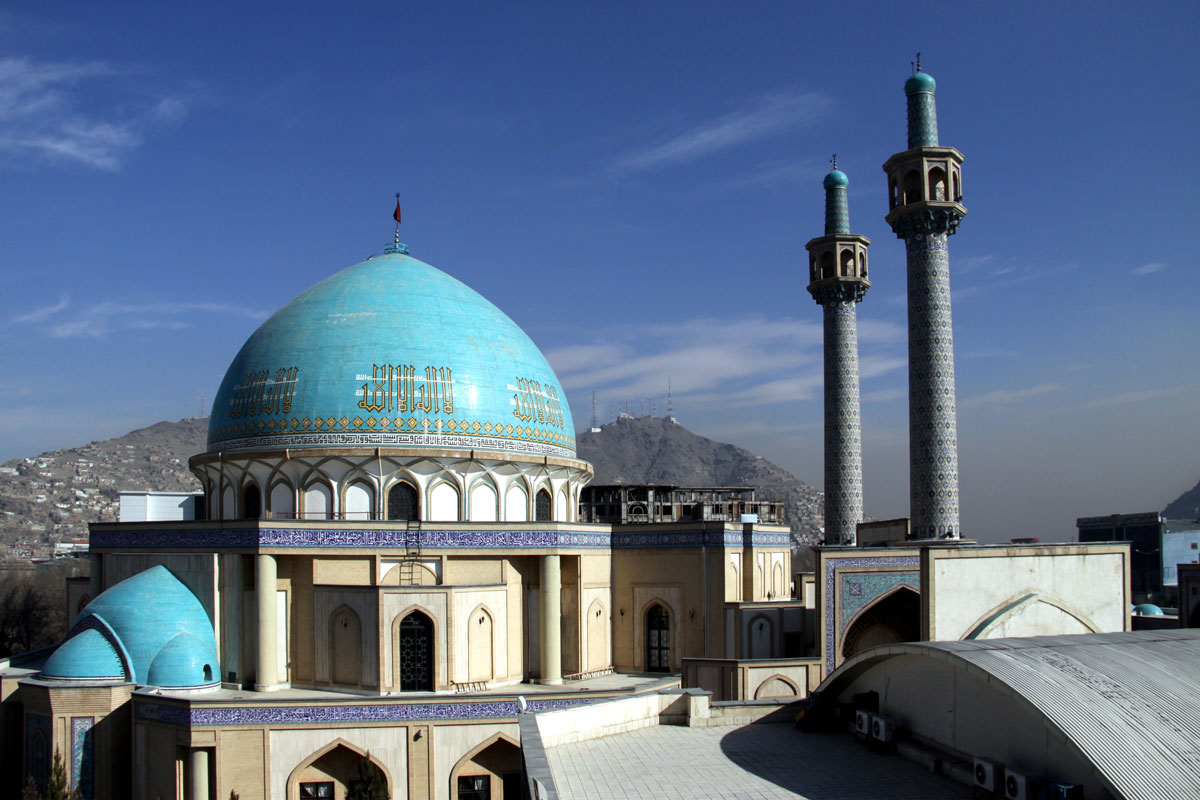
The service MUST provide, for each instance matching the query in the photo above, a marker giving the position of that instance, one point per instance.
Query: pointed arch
(358, 500)
(337, 761)
(414, 650)
(894, 617)
(761, 635)
(1018, 604)
(282, 500)
(403, 502)
(597, 636)
(251, 501)
(484, 502)
(488, 768)
(776, 686)
(481, 648)
(542, 506)
(658, 627)
(445, 504)
(318, 500)
(345, 647)
(516, 503)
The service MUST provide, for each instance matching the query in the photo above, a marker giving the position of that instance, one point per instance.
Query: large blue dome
(391, 352)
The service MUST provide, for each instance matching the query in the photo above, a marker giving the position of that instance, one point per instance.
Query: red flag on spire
(396, 214)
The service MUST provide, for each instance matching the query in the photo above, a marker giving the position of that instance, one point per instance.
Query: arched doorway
(345, 647)
(402, 503)
(541, 511)
(490, 772)
(251, 503)
(416, 653)
(335, 771)
(658, 639)
(894, 618)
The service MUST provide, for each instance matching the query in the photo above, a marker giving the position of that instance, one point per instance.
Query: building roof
(148, 629)
(1130, 702)
(328, 370)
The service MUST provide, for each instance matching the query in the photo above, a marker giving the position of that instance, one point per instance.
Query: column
(265, 584)
(551, 619)
(198, 774)
(843, 426)
(933, 428)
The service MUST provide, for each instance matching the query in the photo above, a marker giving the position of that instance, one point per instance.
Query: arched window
(828, 265)
(516, 505)
(359, 501)
(542, 506)
(251, 502)
(483, 503)
(912, 187)
(416, 653)
(847, 263)
(318, 501)
(283, 501)
(443, 503)
(862, 264)
(957, 190)
(402, 503)
(658, 639)
(937, 184)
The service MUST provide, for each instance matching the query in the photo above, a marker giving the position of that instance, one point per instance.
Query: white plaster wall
(601, 719)
(464, 603)
(290, 748)
(452, 742)
(482, 507)
(757, 676)
(443, 503)
(432, 603)
(967, 590)
(516, 505)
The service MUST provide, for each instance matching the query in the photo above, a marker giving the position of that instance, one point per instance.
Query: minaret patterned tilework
(925, 208)
(838, 281)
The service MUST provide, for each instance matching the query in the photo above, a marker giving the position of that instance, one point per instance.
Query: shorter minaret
(837, 273)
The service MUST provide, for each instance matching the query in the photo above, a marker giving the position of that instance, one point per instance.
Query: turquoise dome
(152, 624)
(920, 82)
(87, 655)
(1148, 610)
(391, 352)
(836, 178)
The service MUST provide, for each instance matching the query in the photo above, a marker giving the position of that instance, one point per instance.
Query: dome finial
(918, 61)
(833, 162)
(396, 246)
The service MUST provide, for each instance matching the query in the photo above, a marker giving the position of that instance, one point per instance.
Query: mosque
(393, 568)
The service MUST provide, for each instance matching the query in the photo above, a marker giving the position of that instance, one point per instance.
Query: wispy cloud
(49, 111)
(99, 320)
(39, 314)
(1136, 396)
(772, 175)
(762, 118)
(717, 363)
(1007, 397)
(1008, 278)
(1148, 269)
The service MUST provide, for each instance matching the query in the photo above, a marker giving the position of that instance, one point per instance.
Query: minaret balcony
(838, 256)
(924, 175)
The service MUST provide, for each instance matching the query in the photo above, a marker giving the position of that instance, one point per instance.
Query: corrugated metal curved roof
(1130, 702)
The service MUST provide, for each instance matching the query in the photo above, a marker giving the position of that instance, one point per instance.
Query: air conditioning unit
(862, 723)
(1018, 786)
(1062, 791)
(882, 729)
(988, 775)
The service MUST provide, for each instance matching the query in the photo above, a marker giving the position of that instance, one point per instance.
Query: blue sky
(633, 183)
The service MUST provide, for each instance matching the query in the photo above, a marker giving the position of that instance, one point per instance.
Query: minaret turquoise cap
(837, 210)
(922, 110)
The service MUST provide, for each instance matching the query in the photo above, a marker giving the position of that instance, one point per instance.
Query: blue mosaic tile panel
(827, 582)
(932, 418)
(200, 716)
(860, 589)
(843, 424)
(83, 754)
(383, 539)
(922, 120)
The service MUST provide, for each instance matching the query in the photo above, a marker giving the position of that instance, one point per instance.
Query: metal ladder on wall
(412, 552)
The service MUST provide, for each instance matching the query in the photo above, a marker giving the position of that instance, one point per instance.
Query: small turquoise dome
(391, 352)
(87, 655)
(836, 178)
(151, 619)
(1148, 610)
(920, 82)
(186, 660)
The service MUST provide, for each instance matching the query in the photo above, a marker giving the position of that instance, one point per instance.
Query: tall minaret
(837, 273)
(925, 207)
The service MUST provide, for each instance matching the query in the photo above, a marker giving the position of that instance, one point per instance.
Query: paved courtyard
(754, 762)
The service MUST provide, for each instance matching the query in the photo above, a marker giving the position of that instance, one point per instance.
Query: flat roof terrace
(762, 761)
